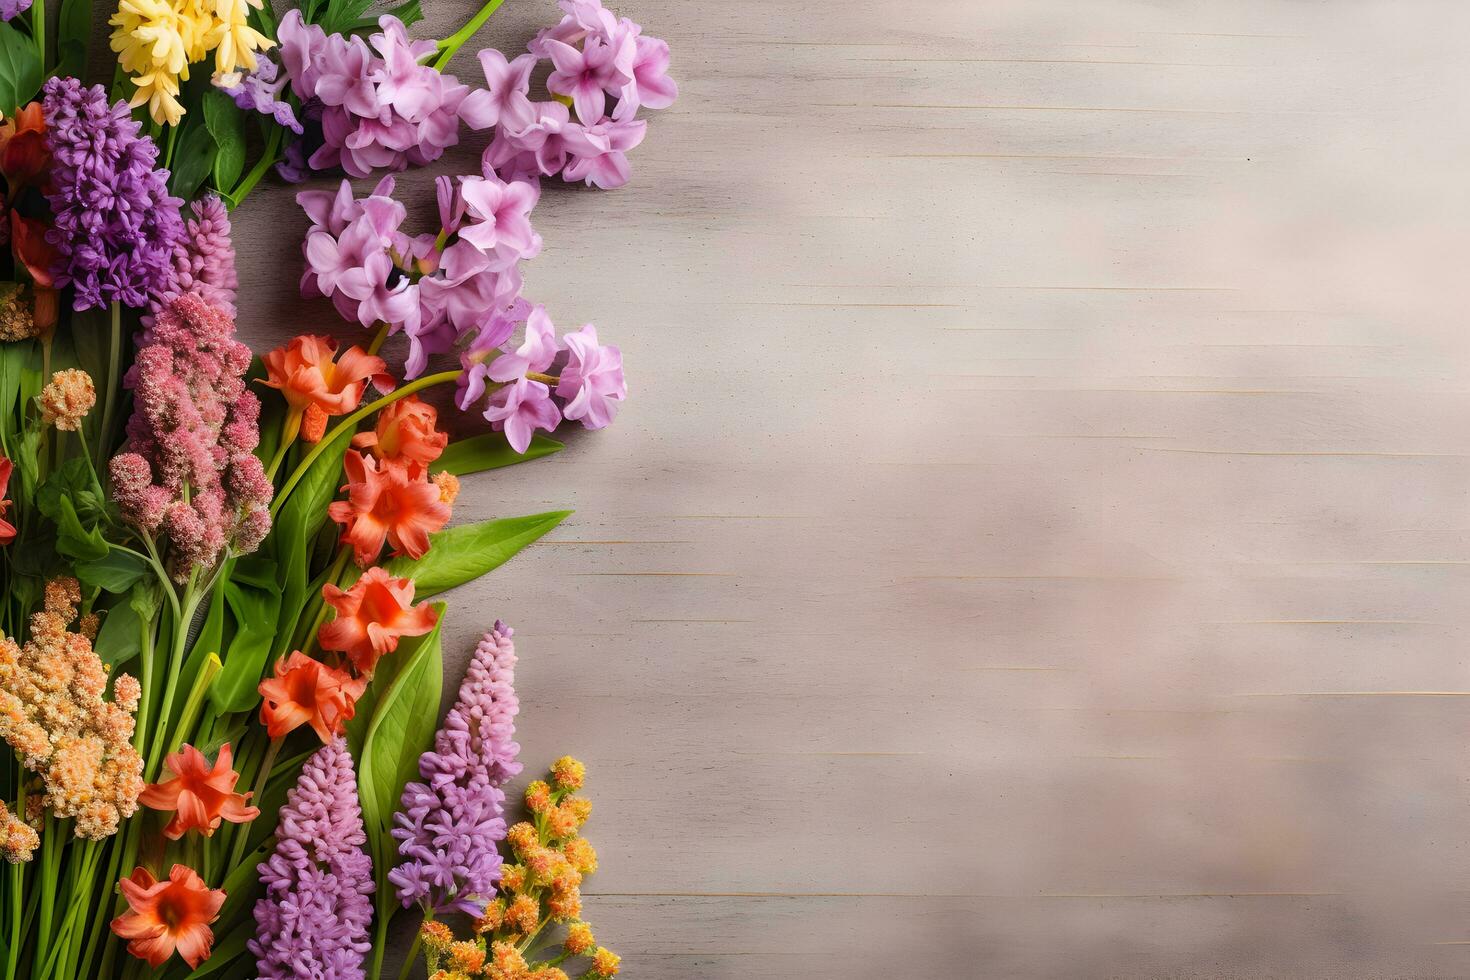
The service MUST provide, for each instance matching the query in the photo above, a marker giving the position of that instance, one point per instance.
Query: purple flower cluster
(116, 227)
(450, 823)
(590, 383)
(190, 471)
(204, 258)
(314, 918)
(260, 91)
(607, 68)
(13, 8)
(437, 290)
(380, 107)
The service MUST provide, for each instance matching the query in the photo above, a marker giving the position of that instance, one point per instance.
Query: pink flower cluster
(607, 68)
(190, 471)
(590, 382)
(436, 289)
(379, 106)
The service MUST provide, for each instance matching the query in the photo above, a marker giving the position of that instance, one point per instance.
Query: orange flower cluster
(390, 499)
(18, 839)
(541, 889)
(7, 529)
(24, 159)
(54, 715)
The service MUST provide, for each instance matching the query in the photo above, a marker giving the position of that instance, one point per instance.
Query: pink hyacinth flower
(520, 408)
(505, 101)
(650, 85)
(599, 153)
(584, 76)
(534, 355)
(592, 381)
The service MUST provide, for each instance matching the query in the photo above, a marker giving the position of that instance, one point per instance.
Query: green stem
(261, 778)
(378, 339)
(114, 364)
(17, 888)
(268, 157)
(413, 954)
(351, 421)
(175, 663)
(455, 41)
(333, 573)
(51, 832)
(145, 655)
(380, 945)
(290, 428)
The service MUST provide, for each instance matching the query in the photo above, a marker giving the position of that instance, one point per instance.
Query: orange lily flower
(305, 691)
(23, 153)
(168, 915)
(371, 616)
(7, 529)
(315, 386)
(199, 796)
(28, 244)
(405, 434)
(392, 503)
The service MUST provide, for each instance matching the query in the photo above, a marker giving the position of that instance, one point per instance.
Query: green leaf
(20, 69)
(402, 728)
(74, 540)
(296, 525)
(489, 452)
(226, 124)
(255, 611)
(464, 553)
(116, 571)
(193, 159)
(74, 32)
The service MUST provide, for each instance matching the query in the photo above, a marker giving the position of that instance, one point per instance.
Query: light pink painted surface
(1037, 543)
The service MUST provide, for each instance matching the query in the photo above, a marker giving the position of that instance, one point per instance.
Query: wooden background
(1036, 543)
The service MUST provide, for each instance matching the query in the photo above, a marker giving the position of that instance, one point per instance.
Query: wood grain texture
(1036, 544)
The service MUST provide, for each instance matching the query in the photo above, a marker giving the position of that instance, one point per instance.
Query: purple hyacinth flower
(451, 822)
(314, 918)
(13, 8)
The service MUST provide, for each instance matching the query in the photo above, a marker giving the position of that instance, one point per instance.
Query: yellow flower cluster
(157, 40)
(67, 399)
(53, 714)
(539, 890)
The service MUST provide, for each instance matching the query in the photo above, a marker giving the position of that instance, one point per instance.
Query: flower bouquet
(220, 656)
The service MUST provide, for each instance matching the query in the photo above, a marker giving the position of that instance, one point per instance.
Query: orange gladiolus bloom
(405, 434)
(315, 386)
(7, 529)
(168, 915)
(23, 152)
(200, 796)
(305, 691)
(392, 503)
(371, 616)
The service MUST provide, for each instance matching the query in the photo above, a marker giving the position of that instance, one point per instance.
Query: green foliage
(489, 452)
(117, 571)
(193, 159)
(255, 608)
(464, 553)
(20, 69)
(404, 717)
(226, 125)
(74, 28)
(296, 525)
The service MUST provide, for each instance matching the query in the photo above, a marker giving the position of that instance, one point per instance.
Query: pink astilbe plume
(190, 472)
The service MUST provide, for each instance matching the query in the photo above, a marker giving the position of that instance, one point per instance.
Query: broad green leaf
(464, 553)
(74, 32)
(489, 452)
(255, 611)
(226, 124)
(402, 728)
(74, 540)
(116, 571)
(193, 160)
(20, 70)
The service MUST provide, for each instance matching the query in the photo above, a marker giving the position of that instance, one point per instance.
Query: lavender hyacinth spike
(204, 259)
(116, 225)
(451, 822)
(314, 918)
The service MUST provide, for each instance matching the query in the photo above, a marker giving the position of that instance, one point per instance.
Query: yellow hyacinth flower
(234, 40)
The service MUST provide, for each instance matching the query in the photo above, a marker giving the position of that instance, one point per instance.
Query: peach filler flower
(306, 692)
(317, 387)
(405, 434)
(56, 720)
(68, 399)
(199, 796)
(396, 504)
(371, 616)
(168, 915)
